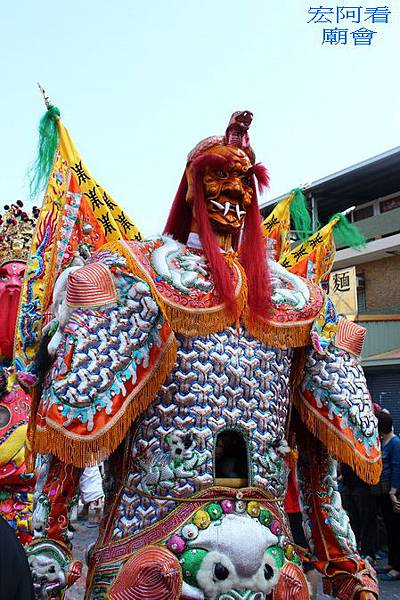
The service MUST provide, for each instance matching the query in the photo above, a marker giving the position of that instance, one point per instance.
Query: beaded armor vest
(226, 380)
(153, 358)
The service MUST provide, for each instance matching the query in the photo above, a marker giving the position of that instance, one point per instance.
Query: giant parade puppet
(186, 358)
(16, 484)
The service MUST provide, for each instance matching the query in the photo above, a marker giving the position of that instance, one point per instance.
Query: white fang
(239, 212)
(217, 204)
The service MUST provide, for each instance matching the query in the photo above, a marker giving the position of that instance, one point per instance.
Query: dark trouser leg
(368, 519)
(392, 524)
(350, 504)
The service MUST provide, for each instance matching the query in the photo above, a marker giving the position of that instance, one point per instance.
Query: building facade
(372, 188)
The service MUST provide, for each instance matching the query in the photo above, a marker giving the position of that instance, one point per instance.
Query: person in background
(15, 576)
(92, 495)
(295, 516)
(388, 496)
(360, 504)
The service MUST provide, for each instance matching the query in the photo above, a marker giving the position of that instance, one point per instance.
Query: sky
(140, 83)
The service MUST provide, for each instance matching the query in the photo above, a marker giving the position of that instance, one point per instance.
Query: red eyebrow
(261, 174)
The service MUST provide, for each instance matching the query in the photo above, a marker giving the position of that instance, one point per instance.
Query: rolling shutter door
(384, 387)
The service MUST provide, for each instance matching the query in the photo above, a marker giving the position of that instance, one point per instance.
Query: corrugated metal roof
(365, 181)
(355, 176)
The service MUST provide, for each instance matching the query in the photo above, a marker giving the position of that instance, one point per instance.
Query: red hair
(180, 216)
(252, 246)
(253, 250)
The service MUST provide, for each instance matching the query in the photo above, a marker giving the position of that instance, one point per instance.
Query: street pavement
(85, 536)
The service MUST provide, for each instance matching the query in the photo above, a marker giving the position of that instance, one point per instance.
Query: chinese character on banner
(343, 291)
(380, 14)
(107, 225)
(335, 36)
(363, 36)
(320, 15)
(80, 173)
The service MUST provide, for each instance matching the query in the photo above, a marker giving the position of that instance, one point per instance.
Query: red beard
(252, 247)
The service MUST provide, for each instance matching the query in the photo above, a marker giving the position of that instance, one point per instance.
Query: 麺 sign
(343, 291)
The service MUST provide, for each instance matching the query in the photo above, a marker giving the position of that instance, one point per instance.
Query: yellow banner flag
(276, 228)
(77, 214)
(313, 258)
(113, 221)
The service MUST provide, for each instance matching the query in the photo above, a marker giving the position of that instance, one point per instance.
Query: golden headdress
(16, 231)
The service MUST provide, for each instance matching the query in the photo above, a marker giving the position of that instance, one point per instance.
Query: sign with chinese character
(343, 291)
(342, 25)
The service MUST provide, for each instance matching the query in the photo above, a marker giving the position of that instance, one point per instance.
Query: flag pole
(46, 98)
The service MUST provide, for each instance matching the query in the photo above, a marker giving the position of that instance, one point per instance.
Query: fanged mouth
(227, 206)
(38, 583)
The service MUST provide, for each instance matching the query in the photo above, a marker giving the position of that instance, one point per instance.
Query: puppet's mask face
(228, 190)
(11, 276)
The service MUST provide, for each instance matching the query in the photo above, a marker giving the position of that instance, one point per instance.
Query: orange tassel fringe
(368, 470)
(83, 452)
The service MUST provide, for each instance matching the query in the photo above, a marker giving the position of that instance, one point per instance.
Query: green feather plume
(346, 234)
(47, 146)
(300, 215)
